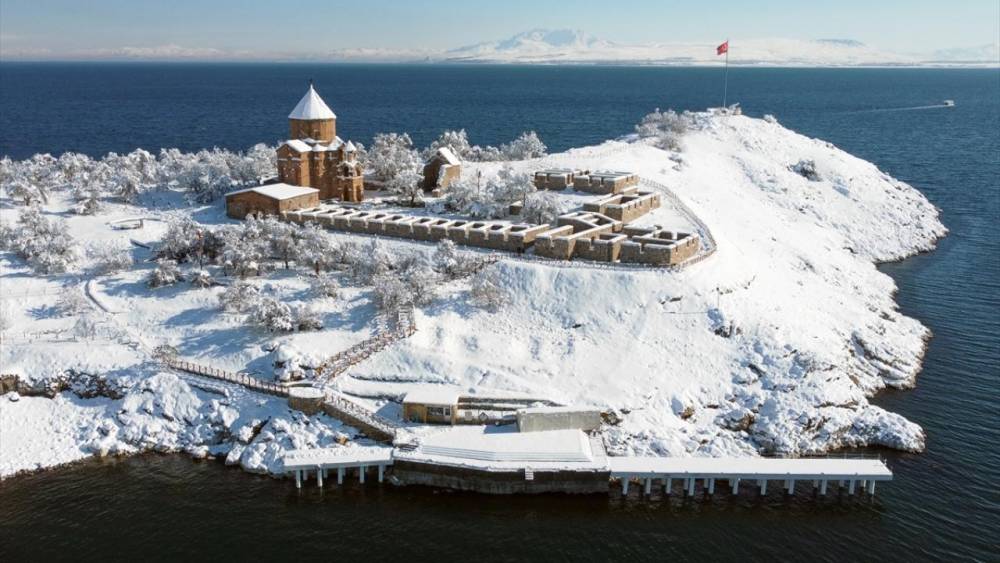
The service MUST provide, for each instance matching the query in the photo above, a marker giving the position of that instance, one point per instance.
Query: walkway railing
(389, 329)
(242, 379)
(376, 427)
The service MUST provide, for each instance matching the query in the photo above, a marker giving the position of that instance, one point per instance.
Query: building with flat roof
(269, 199)
(434, 404)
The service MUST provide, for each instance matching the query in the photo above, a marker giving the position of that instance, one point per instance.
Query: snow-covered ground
(775, 342)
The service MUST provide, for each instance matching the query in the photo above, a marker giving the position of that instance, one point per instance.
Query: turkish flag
(721, 49)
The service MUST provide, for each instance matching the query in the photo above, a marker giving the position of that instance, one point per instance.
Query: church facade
(315, 156)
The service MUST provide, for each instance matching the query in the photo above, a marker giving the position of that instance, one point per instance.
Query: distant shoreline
(486, 63)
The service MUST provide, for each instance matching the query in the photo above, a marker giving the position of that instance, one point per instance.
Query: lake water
(944, 503)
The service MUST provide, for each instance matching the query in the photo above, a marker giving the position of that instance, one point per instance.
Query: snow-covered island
(772, 344)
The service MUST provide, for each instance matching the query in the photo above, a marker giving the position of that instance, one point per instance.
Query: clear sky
(266, 27)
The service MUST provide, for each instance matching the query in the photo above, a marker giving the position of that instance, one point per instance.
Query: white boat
(949, 103)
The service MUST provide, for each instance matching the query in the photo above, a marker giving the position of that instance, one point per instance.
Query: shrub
(166, 273)
(664, 128)
(488, 291)
(806, 169)
(542, 207)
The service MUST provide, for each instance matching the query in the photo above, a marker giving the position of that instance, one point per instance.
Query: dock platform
(847, 472)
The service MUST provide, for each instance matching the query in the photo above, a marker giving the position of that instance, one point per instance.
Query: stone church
(315, 156)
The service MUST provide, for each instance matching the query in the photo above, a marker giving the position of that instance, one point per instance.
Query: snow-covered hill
(774, 343)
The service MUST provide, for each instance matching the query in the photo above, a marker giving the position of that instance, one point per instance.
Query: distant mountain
(531, 44)
(988, 52)
(574, 46)
(567, 46)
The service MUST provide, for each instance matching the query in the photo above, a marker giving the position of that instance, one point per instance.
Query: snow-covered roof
(311, 106)
(277, 191)
(559, 409)
(449, 156)
(505, 449)
(298, 145)
(433, 395)
(332, 457)
(350, 147)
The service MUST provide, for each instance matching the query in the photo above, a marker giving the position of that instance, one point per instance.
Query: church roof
(311, 106)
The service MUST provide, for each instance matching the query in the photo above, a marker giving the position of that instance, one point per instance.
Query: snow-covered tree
(85, 327)
(246, 248)
(182, 241)
(43, 242)
(239, 297)
(369, 261)
(389, 292)
(457, 141)
(392, 154)
(260, 162)
(284, 240)
(450, 263)
(325, 286)
(89, 203)
(665, 129)
(110, 258)
(22, 190)
(306, 318)
(526, 146)
(492, 198)
(406, 185)
(485, 154)
(165, 273)
(271, 315)
(317, 249)
(543, 207)
(71, 303)
(202, 279)
(421, 279)
(488, 290)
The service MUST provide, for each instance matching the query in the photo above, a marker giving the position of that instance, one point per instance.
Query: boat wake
(910, 108)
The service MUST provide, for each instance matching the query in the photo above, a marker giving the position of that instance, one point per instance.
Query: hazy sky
(258, 27)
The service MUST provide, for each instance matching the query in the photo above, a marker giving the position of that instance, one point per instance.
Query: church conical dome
(311, 106)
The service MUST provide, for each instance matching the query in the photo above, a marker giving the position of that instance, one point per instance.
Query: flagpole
(725, 84)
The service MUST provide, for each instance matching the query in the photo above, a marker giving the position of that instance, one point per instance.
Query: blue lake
(944, 504)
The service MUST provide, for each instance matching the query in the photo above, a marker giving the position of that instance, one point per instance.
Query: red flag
(722, 49)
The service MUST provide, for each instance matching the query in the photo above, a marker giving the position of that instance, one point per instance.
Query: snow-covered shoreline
(774, 344)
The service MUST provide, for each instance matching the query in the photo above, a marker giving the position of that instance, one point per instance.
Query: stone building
(315, 156)
(270, 199)
(441, 170)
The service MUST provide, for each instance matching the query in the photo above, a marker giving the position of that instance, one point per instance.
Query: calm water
(945, 503)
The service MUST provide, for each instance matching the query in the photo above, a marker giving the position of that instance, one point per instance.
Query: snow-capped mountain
(574, 46)
(546, 46)
(535, 43)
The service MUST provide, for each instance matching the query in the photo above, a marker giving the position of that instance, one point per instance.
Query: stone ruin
(597, 182)
(599, 232)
